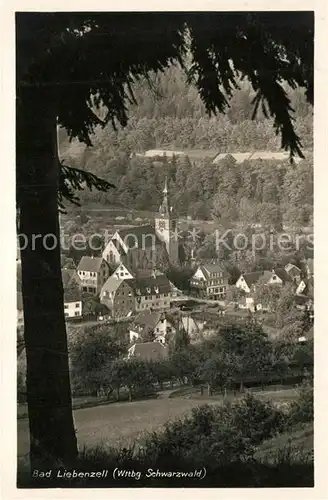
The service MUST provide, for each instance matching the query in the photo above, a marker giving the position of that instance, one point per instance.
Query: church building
(148, 246)
(166, 227)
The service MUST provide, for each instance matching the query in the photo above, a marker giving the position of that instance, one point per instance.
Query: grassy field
(298, 443)
(121, 424)
(118, 423)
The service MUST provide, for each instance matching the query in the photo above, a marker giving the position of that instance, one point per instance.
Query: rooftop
(151, 285)
(139, 236)
(112, 284)
(90, 264)
(148, 351)
(213, 268)
(256, 155)
(72, 295)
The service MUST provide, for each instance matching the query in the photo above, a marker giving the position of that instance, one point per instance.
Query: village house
(72, 303)
(192, 326)
(123, 273)
(154, 292)
(93, 273)
(294, 272)
(305, 287)
(210, 281)
(154, 325)
(247, 282)
(117, 295)
(148, 351)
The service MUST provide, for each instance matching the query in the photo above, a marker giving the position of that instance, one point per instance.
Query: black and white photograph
(165, 249)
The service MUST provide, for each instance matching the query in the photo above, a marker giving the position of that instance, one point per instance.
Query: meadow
(125, 423)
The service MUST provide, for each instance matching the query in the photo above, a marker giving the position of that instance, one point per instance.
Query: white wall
(242, 285)
(73, 309)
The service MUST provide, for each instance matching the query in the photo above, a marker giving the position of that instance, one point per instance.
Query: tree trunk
(209, 390)
(130, 395)
(52, 433)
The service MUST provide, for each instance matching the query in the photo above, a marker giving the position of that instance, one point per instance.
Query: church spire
(165, 190)
(164, 209)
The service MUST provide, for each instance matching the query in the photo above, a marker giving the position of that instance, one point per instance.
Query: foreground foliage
(246, 443)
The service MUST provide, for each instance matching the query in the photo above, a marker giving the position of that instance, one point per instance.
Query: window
(77, 304)
(65, 306)
(66, 315)
(274, 277)
(165, 294)
(85, 288)
(77, 313)
(122, 273)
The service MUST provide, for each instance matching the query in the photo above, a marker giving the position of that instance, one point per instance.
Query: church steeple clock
(166, 226)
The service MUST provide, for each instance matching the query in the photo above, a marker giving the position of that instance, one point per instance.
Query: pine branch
(73, 179)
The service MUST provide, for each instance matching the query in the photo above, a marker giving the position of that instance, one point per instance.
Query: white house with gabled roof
(93, 273)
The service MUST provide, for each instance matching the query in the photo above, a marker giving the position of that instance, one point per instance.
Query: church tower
(166, 226)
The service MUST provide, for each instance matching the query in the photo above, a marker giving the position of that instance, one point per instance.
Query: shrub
(302, 408)
(257, 420)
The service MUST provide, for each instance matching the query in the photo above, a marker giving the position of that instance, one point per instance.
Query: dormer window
(156, 289)
(148, 290)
